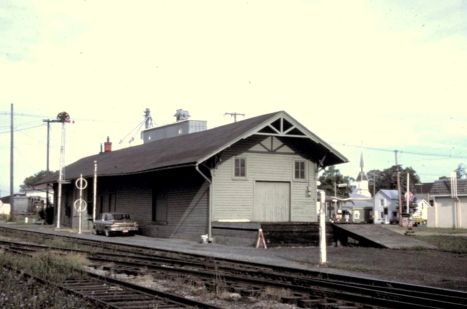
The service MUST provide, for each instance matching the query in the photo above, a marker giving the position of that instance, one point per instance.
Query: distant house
(449, 204)
(359, 204)
(262, 169)
(419, 214)
(385, 208)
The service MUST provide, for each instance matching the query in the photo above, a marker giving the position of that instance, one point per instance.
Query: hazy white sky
(369, 76)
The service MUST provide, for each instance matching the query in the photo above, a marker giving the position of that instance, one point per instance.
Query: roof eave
(273, 118)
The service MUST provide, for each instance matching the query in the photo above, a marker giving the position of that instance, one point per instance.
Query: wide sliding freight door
(272, 202)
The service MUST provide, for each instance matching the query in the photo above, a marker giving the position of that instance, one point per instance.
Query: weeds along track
(106, 292)
(307, 288)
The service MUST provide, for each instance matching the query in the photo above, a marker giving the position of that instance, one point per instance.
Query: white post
(80, 179)
(455, 200)
(60, 174)
(79, 222)
(407, 198)
(322, 229)
(94, 198)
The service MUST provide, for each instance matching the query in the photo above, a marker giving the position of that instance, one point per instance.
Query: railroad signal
(80, 205)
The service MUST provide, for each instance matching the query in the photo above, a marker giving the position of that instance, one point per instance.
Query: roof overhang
(283, 126)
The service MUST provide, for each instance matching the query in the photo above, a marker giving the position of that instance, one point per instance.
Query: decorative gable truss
(271, 145)
(283, 128)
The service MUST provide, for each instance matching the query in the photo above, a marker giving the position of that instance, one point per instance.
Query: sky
(368, 77)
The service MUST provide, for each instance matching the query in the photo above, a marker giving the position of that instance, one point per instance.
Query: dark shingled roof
(443, 187)
(423, 188)
(189, 149)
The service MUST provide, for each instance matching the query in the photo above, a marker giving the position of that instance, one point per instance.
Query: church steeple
(362, 175)
(362, 180)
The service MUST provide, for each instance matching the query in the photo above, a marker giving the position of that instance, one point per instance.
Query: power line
(22, 129)
(23, 115)
(415, 153)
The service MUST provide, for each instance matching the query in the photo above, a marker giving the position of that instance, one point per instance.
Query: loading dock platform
(374, 235)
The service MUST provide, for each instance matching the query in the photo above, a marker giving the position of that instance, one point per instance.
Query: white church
(359, 205)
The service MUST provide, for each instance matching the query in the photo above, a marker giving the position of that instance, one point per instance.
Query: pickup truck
(111, 223)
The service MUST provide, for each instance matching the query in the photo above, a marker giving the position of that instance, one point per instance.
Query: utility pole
(12, 187)
(234, 115)
(62, 117)
(408, 194)
(374, 185)
(399, 187)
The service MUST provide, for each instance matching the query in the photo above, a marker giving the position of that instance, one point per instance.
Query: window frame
(234, 172)
(301, 170)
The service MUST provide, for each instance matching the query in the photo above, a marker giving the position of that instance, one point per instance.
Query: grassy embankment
(21, 291)
(445, 239)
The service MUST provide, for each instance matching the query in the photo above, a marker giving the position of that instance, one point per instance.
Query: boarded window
(299, 170)
(240, 167)
(112, 202)
(67, 204)
(159, 206)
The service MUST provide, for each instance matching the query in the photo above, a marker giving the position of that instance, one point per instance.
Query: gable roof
(390, 194)
(423, 188)
(195, 148)
(443, 187)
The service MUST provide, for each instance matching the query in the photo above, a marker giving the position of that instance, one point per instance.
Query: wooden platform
(375, 235)
(276, 233)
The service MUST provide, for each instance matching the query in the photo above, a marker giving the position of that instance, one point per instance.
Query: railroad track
(106, 292)
(308, 287)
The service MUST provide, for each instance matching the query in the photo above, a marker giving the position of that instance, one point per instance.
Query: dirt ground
(417, 266)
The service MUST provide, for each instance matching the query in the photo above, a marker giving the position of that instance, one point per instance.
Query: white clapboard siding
(234, 198)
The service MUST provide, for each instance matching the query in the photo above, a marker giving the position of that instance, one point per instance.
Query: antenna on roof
(147, 119)
(234, 115)
(147, 122)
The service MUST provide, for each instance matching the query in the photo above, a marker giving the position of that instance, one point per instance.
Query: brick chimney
(108, 145)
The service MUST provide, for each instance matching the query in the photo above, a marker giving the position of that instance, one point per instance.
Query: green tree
(387, 178)
(460, 171)
(30, 182)
(332, 179)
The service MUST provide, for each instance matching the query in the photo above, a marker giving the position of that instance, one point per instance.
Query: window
(240, 167)
(299, 170)
(381, 202)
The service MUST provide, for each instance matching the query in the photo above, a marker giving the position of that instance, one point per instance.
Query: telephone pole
(12, 143)
(62, 117)
(398, 187)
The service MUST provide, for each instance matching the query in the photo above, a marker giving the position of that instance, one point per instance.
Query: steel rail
(381, 296)
(113, 293)
(422, 295)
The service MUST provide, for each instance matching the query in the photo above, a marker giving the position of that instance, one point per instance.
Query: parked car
(111, 223)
